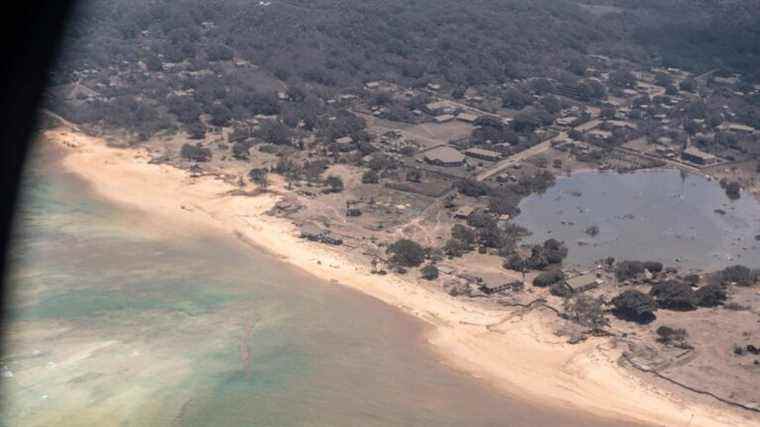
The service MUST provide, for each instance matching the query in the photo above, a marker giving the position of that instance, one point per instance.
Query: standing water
(658, 215)
(110, 326)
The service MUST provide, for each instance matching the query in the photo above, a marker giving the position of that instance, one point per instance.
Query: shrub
(493, 237)
(586, 311)
(555, 251)
(561, 289)
(734, 306)
(195, 153)
(406, 253)
(219, 52)
(274, 132)
(653, 266)
(733, 190)
(482, 219)
(414, 175)
(674, 296)
(711, 295)
(370, 177)
(381, 161)
(634, 306)
(464, 234)
(196, 130)
(504, 204)
(334, 183)
(259, 177)
(472, 188)
(286, 167)
(240, 150)
(688, 85)
(738, 274)
(738, 350)
(548, 278)
(675, 337)
(515, 262)
(537, 259)
(429, 272)
(456, 248)
(630, 269)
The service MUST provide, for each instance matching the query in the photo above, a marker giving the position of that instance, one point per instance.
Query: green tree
(587, 311)
(406, 253)
(259, 177)
(688, 85)
(674, 295)
(464, 234)
(195, 153)
(429, 272)
(370, 177)
(274, 132)
(335, 183)
(634, 306)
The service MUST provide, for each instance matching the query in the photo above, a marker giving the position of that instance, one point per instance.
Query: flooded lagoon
(661, 215)
(112, 326)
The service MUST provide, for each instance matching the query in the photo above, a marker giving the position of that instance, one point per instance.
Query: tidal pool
(660, 215)
(111, 326)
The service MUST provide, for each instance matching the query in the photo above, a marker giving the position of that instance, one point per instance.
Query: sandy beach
(516, 353)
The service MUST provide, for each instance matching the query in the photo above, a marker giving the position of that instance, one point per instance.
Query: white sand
(522, 355)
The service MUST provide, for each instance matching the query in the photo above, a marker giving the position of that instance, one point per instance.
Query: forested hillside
(143, 54)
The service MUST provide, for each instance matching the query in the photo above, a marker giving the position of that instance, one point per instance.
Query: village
(425, 181)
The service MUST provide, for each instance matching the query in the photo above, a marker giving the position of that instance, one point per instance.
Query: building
(584, 282)
(435, 106)
(566, 121)
(372, 85)
(345, 143)
(314, 233)
(622, 124)
(482, 154)
(444, 156)
(464, 212)
(467, 117)
(444, 118)
(695, 155)
(729, 81)
(736, 127)
(490, 288)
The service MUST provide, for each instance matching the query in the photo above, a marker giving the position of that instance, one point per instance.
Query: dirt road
(518, 157)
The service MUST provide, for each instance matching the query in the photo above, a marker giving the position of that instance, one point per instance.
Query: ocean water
(681, 220)
(109, 325)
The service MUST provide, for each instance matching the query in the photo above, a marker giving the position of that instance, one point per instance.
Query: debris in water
(5, 372)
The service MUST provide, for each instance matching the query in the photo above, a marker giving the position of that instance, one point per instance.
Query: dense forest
(144, 54)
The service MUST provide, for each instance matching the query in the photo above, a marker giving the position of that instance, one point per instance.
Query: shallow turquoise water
(112, 327)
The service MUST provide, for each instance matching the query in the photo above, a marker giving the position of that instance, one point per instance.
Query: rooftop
(444, 154)
(482, 152)
(583, 280)
(694, 151)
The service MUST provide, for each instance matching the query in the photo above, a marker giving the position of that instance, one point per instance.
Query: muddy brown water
(108, 325)
(661, 215)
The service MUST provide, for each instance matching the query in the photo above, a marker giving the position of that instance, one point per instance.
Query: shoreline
(520, 356)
